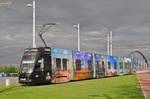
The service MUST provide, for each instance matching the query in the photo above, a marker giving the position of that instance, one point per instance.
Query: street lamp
(78, 28)
(33, 15)
(109, 43)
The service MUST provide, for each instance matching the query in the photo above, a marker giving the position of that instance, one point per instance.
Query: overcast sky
(128, 19)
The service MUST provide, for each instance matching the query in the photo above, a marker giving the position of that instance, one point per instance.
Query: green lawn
(123, 87)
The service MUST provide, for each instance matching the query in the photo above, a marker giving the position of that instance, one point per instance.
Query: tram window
(89, 65)
(115, 65)
(40, 65)
(103, 63)
(78, 64)
(58, 63)
(126, 65)
(98, 65)
(47, 62)
(109, 65)
(64, 64)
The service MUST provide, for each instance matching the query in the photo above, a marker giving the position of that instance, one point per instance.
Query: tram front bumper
(24, 78)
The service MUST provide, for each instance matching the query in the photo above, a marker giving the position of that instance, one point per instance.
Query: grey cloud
(128, 19)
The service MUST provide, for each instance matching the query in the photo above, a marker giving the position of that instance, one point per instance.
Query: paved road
(144, 80)
(13, 80)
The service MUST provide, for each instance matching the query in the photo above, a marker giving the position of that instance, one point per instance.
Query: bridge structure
(139, 60)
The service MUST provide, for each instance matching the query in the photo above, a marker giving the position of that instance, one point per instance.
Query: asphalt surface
(12, 81)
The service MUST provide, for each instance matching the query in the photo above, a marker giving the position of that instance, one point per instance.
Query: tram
(44, 65)
(56, 65)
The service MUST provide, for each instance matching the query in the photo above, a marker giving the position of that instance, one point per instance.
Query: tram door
(61, 66)
(121, 68)
(100, 65)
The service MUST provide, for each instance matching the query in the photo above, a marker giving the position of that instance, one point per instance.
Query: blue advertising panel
(84, 57)
(60, 53)
(99, 57)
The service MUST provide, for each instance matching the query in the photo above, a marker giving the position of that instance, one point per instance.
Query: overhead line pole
(78, 37)
(111, 43)
(77, 26)
(34, 42)
(108, 44)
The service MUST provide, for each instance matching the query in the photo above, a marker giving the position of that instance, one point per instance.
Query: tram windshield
(27, 63)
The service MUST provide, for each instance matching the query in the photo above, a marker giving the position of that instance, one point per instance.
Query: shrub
(8, 69)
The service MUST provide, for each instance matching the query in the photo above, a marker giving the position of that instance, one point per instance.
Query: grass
(122, 87)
